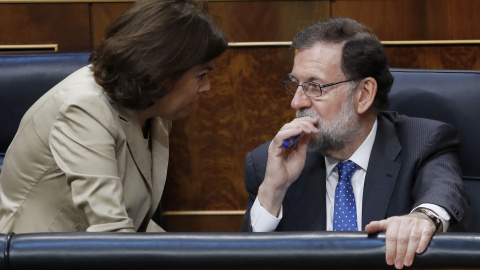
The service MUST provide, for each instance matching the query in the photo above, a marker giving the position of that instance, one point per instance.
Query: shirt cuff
(262, 220)
(439, 212)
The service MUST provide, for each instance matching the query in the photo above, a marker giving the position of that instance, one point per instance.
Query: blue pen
(290, 141)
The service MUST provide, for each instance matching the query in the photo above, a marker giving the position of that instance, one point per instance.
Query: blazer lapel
(382, 171)
(133, 132)
(160, 130)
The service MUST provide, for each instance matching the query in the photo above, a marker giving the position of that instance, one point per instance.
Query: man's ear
(365, 94)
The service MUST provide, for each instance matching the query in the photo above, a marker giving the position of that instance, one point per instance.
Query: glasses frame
(289, 92)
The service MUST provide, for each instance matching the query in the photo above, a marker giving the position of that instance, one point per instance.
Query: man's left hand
(405, 236)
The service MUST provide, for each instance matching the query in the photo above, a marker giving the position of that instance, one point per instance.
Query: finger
(288, 133)
(372, 227)
(391, 235)
(405, 230)
(307, 125)
(291, 130)
(426, 236)
(307, 118)
(415, 236)
(302, 144)
(376, 226)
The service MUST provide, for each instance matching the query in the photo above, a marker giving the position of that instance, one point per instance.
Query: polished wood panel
(65, 1)
(267, 20)
(434, 56)
(244, 108)
(101, 15)
(414, 19)
(242, 21)
(202, 223)
(31, 48)
(64, 24)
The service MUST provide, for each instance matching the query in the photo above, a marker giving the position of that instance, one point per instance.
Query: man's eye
(202, 76)
(314, 86)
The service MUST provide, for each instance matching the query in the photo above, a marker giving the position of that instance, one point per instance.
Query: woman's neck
(144, 122)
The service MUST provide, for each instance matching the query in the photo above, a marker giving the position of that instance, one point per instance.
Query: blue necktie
(345, 211)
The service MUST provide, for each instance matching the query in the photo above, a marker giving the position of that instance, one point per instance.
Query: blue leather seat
(26, 77)
(453, 97)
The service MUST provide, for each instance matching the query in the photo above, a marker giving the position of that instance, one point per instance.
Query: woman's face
(185, 93)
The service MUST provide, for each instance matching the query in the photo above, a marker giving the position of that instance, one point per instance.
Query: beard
(335, 135)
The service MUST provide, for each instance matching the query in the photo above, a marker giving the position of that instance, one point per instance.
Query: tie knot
(346, 169)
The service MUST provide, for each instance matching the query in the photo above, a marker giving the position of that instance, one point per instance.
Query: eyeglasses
(311, 89)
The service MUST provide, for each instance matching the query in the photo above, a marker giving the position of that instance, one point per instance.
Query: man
(397, 174)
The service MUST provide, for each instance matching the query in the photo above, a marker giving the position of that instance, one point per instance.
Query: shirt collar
(361, 155)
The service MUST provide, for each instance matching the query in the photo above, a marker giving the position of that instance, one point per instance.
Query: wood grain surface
(244, 21)
(101, 15)
(64, 24)
(414, 19)
(244, 108)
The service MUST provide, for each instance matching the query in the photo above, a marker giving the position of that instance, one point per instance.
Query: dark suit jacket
(413, 161)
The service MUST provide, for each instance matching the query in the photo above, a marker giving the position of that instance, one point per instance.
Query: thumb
(302, 145)
(376, 226)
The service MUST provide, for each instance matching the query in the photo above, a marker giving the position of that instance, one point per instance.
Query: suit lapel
(306, 200)
(382, 171)
(133, 132)
(319, 177)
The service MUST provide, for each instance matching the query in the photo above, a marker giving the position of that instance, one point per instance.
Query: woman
(91, 154)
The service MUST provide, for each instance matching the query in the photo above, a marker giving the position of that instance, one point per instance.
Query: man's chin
(323, 149)
(316, 148)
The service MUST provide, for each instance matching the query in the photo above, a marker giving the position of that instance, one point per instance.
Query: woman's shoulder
(80, 89)
(81, 83)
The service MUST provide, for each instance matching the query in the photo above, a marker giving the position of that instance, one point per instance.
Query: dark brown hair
(363, 55)
(154, 41)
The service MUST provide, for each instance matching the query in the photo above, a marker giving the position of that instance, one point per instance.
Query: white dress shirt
(263, 221)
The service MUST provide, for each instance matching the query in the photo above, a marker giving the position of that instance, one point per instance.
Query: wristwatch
(432, 215)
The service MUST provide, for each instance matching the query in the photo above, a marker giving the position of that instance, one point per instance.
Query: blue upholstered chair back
(452, 97)
(26, 77)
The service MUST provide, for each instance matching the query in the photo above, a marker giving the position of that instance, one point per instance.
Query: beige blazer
(80, 163)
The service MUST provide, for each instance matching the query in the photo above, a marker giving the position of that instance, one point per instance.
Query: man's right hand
(285, 165)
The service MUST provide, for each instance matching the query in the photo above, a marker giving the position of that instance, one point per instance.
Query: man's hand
(285, 165)
(405, 236)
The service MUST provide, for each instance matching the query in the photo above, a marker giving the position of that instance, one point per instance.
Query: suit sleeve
(439, 178)
(82, 142)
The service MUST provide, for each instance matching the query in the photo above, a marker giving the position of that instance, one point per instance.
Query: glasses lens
(291, 87)
(312, 89)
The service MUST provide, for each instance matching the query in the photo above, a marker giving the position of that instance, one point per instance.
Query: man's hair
(152, 42)
(362, 56)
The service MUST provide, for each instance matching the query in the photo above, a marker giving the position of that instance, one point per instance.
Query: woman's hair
(362, 56)
(152, 42)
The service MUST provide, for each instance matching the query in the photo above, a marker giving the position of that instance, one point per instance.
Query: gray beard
(335, 135)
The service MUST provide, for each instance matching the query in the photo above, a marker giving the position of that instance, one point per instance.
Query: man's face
(335, 108)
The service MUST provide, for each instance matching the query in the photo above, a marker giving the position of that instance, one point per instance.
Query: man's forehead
(319, 61)
(322, 49)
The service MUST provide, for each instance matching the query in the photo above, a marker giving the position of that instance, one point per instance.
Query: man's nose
(300, 100)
